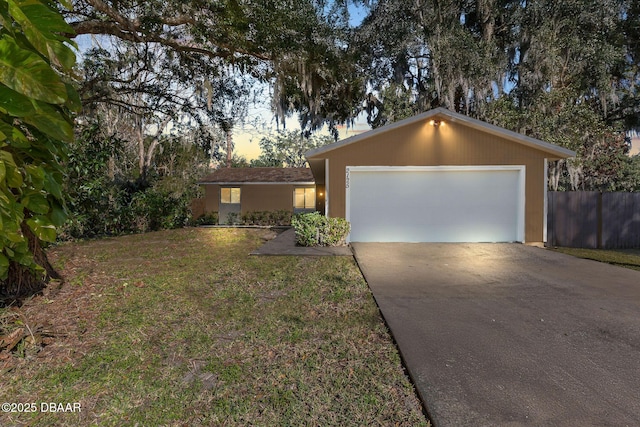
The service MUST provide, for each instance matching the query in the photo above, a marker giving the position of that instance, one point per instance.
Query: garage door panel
(435, 205)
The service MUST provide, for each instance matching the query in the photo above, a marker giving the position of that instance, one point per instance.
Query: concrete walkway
(285, 244)
(511, 335)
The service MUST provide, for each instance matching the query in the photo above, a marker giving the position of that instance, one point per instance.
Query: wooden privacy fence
(197, 208)
(590, 219)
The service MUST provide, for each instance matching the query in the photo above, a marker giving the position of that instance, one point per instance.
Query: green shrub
(233, 218)
(314, 229)
(115, 208)
(210, 218)
(266, 218)
(307, 228)
(281, 217)
(335, 232)
(262, 218)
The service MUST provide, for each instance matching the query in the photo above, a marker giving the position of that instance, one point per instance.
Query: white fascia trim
(522, 202)
(347, 195)
(257, 183)
(434, 168)
(521, 169)
(546, 201)
(326, 187)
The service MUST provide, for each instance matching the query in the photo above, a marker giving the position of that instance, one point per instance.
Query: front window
(304, 198)
(230, 195)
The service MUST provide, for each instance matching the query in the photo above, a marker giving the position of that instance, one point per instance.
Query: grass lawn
(629, 258)
(183, 328)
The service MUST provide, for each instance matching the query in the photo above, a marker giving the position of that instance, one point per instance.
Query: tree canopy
(563, 71)
(300, 48)
(287, 149)
(465, 54)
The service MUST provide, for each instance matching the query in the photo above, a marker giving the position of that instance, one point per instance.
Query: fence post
(599, 219)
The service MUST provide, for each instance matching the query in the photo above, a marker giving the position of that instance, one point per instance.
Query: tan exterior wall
(266, 198)
(255, 197)
(450, 144)
(211, 198)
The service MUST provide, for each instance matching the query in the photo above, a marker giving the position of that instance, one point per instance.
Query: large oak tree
(565, 71)
(300, 48)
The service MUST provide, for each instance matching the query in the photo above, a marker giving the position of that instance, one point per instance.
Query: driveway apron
(509, 335)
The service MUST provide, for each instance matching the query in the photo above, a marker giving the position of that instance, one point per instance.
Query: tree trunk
(22, 282)
(229, 134)
(554, 175)
(141, 151)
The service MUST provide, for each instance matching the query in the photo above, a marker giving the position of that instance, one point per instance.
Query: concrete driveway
(509, 335)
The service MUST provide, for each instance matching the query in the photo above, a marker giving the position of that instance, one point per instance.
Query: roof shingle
(255, 175)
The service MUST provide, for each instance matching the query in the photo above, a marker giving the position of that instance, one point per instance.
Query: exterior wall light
(436, 122)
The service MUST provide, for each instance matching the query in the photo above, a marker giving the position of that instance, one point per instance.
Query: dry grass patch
(184, 328)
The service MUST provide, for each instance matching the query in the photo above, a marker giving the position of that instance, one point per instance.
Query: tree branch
(132, 33)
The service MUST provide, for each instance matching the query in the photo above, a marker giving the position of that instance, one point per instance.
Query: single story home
(437, 177)
(243, 190)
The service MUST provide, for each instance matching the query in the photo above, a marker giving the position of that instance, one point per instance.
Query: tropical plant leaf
(36, 176)
(13, 175)
(42, 228)
(36, 203)
(27, 73)
(38, 14)
(52, 122)
(74, 103)
(13, 215)
(43, 27)
(5, 131)
(14, 103)
(5, 202)
(58, 216)
(15, 137)
(4, 16)
(61, 54)
(4, 266)
(52, 185)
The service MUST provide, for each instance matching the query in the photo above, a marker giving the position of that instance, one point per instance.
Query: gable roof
(259, 175)
(555, 151)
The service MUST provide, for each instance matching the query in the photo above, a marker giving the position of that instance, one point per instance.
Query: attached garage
(436, 204)
(438, 177)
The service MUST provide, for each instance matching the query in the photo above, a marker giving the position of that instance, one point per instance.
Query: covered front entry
(435, 203)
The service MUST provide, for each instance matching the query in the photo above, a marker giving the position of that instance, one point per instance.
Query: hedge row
(264, 218)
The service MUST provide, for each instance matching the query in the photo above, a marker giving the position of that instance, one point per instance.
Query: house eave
(555, 152)
(255, 183)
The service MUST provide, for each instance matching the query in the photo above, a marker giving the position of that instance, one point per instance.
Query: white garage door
(435, 204)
